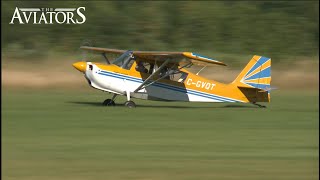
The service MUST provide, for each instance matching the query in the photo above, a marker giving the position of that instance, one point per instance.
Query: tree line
(270, 28)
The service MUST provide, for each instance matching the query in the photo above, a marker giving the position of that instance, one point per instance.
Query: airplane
(162, 76)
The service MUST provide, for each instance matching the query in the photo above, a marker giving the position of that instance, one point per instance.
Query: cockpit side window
(129, 64)
(179, 77)
(173, 74)
(183, 77)
(164, 72)
(169, 73)
(125, 60)
(120, 60)
(90, 67)
(145, 67)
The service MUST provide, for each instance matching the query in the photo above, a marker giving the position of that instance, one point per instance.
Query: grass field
(65, 134)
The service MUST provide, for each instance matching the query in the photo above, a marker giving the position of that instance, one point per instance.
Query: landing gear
(259, 105)
(109, 102)
(130, 104)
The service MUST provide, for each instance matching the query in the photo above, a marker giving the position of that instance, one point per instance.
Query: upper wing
(201, 60)
(175, 57)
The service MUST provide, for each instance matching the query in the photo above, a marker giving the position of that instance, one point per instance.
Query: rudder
(257, 74)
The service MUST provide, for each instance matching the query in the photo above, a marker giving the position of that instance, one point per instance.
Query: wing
(174, 57)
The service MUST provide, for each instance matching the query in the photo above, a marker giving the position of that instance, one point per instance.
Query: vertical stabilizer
(257, 74)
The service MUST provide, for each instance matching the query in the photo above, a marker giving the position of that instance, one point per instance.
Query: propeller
(89, 43)
(105, 57)
(86, 42)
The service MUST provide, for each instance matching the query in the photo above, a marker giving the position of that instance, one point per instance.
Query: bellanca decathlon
(157, 75)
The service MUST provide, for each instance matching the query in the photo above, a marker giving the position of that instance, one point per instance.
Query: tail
(254, 80)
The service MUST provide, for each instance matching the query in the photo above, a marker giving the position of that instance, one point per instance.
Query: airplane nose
(80, 66)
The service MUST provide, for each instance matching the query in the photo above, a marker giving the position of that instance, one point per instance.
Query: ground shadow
(86, 103)
(167, 106)
(240, 106)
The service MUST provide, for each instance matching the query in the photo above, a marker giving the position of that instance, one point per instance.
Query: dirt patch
(37, 75)
(39, 79)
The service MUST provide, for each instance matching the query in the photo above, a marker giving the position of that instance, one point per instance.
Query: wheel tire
(130, 104)
(108, 102)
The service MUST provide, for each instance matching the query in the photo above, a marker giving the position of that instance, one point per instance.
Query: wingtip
(221, 63)
(85, 47)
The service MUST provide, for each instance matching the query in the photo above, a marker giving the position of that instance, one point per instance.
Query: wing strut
(170, 72)
(153, 74)
(105, 57)
(201, 70)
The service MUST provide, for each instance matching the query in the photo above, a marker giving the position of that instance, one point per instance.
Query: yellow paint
(260, 80)
(80, 66)
(261, 68)
(201, 84)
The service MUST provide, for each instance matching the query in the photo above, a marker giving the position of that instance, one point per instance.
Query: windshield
(123, 59)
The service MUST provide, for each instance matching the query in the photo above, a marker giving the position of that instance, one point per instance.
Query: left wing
(173, 57)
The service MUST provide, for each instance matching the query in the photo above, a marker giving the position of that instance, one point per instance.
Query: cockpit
(169, 73)
(125, 60)
(173, 73)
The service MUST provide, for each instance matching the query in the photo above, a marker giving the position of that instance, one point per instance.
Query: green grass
(55, 134)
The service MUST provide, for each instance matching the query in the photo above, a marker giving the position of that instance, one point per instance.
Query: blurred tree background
(275, 29)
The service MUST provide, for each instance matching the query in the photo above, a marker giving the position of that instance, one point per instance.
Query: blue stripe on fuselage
(183, 90)
(172, 88)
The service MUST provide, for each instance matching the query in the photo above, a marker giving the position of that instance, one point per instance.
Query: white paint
(126, 88)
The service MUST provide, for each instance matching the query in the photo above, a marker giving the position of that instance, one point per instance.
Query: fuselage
(189, 87)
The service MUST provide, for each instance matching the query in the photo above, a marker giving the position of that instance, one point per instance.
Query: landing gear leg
(128, 103)
(110, 102)
(259, 105)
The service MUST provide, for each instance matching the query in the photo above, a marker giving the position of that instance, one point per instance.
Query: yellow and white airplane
(156, 75)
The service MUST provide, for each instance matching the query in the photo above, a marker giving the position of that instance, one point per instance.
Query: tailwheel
(130, 104)
(259, 105)
(109, 102)
(262, 106)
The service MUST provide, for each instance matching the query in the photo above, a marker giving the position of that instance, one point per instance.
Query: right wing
(174, 57)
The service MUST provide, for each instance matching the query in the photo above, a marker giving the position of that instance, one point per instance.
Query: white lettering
(25, 16)
(69, 17)
(212, 85)
(188, 81)
(43, 18)
(34, 17)
(81, 15)
(57, 19)
(207, 85)
(60, 15)
(203, 84)
(50, 15)
(16, 14)
(198, 84)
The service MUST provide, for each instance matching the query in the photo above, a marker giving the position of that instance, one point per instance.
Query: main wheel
(130, 104)
(108, 102)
